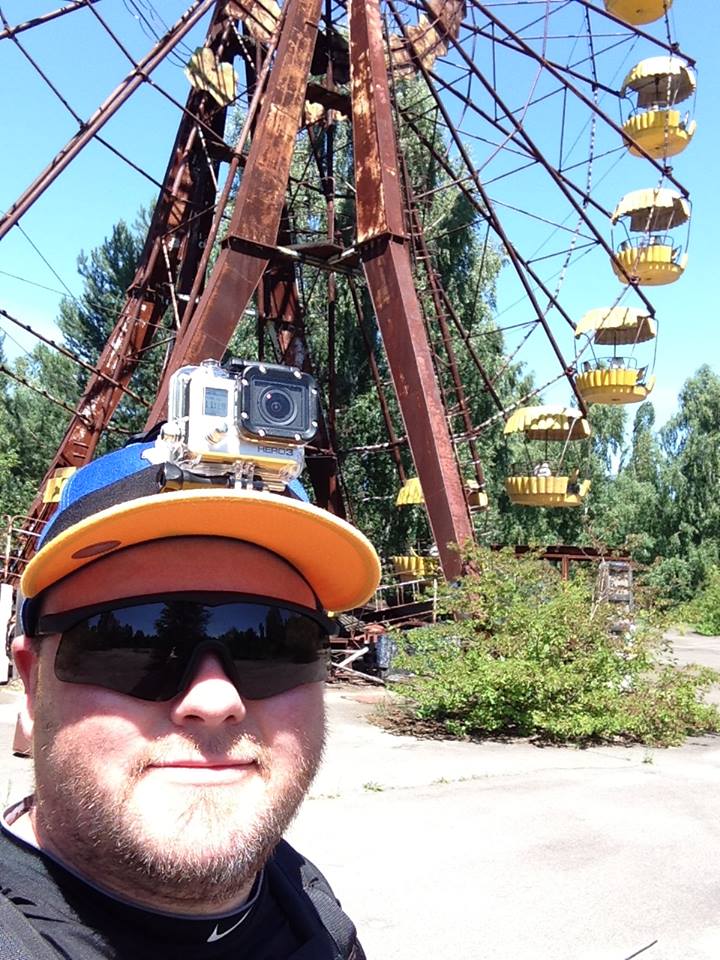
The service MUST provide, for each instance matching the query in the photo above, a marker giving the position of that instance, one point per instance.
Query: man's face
(175, 804)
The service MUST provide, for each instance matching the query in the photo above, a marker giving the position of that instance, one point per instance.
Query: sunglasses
(149, 647)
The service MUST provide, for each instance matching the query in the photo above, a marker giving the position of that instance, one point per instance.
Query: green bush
(703, 613)
(519, 651)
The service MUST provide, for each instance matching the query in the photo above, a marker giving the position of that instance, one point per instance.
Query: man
(173, 654)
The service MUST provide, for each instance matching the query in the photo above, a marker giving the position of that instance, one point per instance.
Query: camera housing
(277, 402)
(246, 421)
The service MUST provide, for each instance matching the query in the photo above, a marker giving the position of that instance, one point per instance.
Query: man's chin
(207, 853)
(189, 821)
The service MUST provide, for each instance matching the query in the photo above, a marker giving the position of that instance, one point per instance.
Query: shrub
(703, 612)
(520, 651)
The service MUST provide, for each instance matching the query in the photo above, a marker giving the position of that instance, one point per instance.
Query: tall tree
(691, 509)
(87, 321)
(32, 424)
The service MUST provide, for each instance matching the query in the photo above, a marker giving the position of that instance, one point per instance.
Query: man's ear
(27, 662)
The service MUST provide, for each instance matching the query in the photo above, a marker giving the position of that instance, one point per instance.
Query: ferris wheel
(450, 173)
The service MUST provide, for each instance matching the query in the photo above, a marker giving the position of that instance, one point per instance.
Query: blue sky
(78, 211)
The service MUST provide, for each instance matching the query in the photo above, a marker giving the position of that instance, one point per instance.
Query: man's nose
(211, 697)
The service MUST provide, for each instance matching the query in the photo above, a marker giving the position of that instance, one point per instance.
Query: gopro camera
(245, 422)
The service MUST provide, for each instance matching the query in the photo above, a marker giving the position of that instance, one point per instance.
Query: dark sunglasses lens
(120, 650)
(144, 650)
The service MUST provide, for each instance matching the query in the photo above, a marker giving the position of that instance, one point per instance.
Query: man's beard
(207, 854)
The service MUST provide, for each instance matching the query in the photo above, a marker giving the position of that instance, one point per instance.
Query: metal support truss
(259, 202)
(168, 265)
(386, 260)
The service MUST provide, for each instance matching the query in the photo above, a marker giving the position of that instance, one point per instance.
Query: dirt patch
(395, 717)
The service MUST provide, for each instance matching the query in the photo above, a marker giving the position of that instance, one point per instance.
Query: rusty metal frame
(101, 116)
(183, 212)
(279, 304)
(258, 248)
(386, 260)
(435, 287)
(45, 18)
(259, 201)
(489, 214)
(560, 180)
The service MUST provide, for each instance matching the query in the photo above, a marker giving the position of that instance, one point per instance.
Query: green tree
(11, 494)
(662, 505)
(106, 274)
(689, 504)
(88, 320)
(32, 423)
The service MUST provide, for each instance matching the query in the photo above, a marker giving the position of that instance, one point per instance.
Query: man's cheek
(77, 746)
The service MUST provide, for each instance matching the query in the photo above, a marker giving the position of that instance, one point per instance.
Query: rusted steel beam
(394, 442)
(391, 287)
(279, 304)
(259, 201)
(257, 83)
(386, 260)
(379, 207)
(320, 256)
(436, 294)
(330, 99)
(488, 211)
(106, 110)
(44, 18)
(182, 214)
(328, 183)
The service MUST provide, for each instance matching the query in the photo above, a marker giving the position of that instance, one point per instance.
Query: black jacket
(46, 912)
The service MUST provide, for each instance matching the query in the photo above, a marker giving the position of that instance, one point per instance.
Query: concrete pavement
(508, 851)
(515, 852)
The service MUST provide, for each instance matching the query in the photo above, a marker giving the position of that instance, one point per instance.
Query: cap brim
(338, 561)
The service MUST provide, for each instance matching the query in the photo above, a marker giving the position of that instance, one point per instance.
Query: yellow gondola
(660, 84)
(206, 72)
(661, 133)
(410, 493)
(638, 11)
(547, 491)
(653, 258)
(477, 498)
(414, 567)
(548, 423)
(615, 379)
(543, 486)
(617, 383)
(617, 326)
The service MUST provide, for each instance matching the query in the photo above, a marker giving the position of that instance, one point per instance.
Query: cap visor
(338, 561)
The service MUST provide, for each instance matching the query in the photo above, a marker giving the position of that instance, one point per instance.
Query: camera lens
(277, 405)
